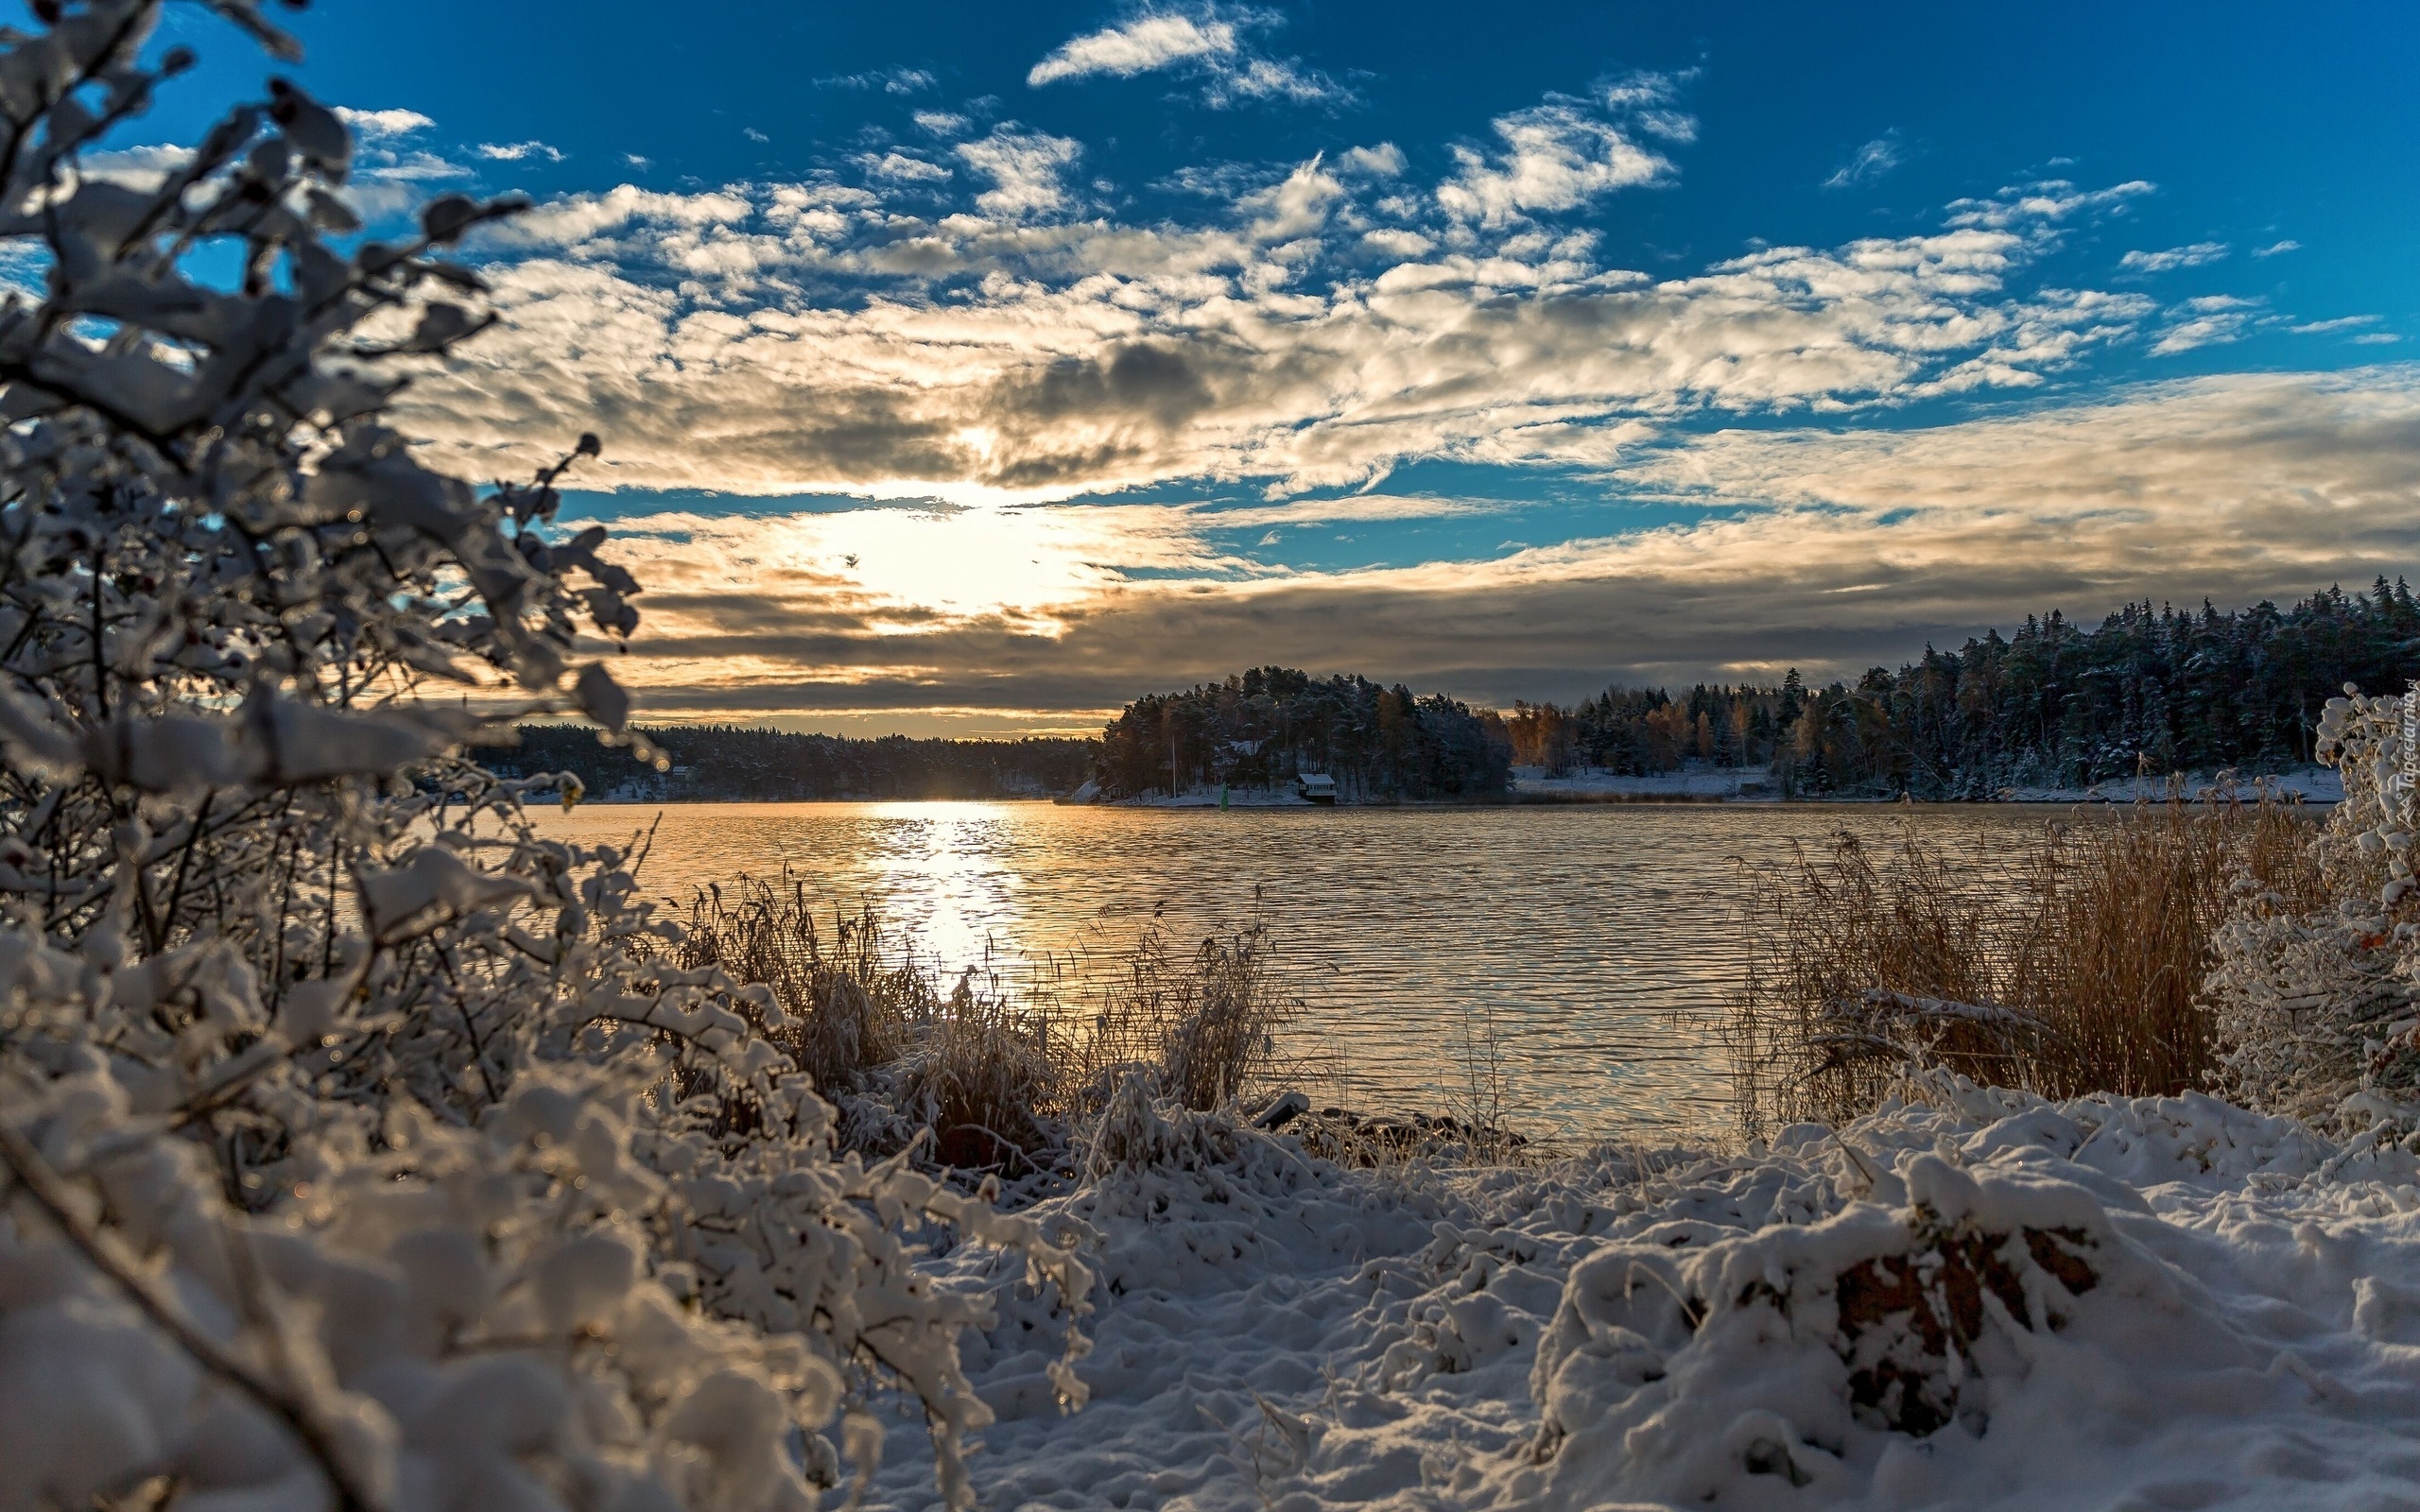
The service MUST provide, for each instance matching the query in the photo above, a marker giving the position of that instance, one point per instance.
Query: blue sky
(973, 368)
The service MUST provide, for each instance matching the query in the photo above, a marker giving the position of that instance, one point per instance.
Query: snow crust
(2238, 1323)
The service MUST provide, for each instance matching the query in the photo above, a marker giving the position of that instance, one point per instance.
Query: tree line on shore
(731, 763)
(2149, 691)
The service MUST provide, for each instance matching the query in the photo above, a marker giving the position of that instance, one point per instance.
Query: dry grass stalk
(994, 1078)
(982, 1077)
(1207, 1020)
(2071, 967)
(851, 999)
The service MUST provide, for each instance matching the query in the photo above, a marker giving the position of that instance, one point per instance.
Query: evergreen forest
(2146, 693)
(2149, 691)
(731, 763)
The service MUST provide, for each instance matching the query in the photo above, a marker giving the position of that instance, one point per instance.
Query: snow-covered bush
(360, 1147)
(1981, 1297)
(2318, 1009)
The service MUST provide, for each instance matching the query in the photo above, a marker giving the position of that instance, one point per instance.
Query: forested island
(2056, 705)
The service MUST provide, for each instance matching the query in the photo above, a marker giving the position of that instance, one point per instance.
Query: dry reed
(980, 1075)
(998, 1078)
(850, 998)
(2070, 967)
(1206, 1021)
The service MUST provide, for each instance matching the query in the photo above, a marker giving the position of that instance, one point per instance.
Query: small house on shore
(1319, 788)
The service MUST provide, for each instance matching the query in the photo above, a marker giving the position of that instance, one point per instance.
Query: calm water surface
(1597, 946)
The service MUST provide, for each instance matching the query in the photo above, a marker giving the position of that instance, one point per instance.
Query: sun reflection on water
(943, 871)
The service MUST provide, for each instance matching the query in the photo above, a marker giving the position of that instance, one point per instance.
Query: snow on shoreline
(2226, 1311)
(1697, 784)
(2311, 785)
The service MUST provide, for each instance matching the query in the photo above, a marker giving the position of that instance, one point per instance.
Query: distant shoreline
(1518, 801)
(2319, 786)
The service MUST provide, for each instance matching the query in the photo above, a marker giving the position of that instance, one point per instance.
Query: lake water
(1596, 947)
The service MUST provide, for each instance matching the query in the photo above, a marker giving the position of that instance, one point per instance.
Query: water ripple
(1596, 946)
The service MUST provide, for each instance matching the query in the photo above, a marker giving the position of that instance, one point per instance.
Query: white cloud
(1394, 242)
(2197, 255)
(517, 151)
(1354, 508)
(634, 161)
(1867, 163)
(399, 168)
(940, 123)
(889, 80)
(2275, 248)
(2343, 322)
(2047, 203)
(752, 134)
(1296, 206)
(1267, 79)
(1024, 167)
(1004, 352)
(901, 168)
(389, 175)
(1223, 182)
(581, 220)
(1385, 161)
(2377, 338)
(1208, 44)
(2210, 320)
(1148, 43)
(139, 167)
(1564, 153)
(382, 126)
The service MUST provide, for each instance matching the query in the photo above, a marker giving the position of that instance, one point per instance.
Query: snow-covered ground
(2313, 784)
(2317, 784)
(2109, 1303)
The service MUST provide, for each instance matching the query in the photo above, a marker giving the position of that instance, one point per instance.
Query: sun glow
(948, 858)
(911, 568)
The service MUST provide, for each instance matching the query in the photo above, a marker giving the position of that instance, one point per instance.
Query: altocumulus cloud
(893, 337)
(1208, 44)
(1025, 168)
(2209, 320)
(964, 331)
(1567, 152)
(2197, 255)
(1829, 551)
(1867, 163)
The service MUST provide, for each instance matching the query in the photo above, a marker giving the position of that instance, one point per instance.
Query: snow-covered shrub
(1909, 1312)
(1977, 1297)
(2316, 1002)
(360, 1146)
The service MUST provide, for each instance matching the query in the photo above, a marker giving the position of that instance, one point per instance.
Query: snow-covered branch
(363, 1146)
